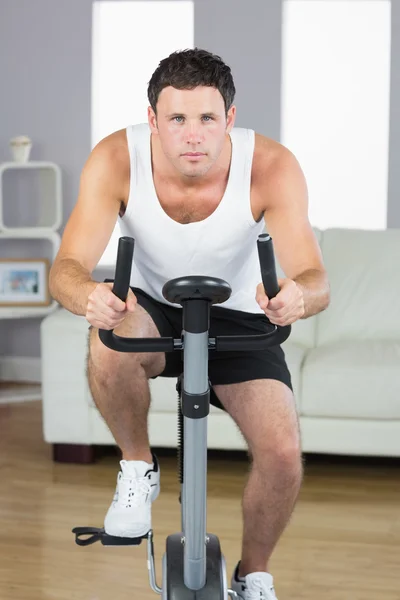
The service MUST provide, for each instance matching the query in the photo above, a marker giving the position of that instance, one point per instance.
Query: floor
(342, 543)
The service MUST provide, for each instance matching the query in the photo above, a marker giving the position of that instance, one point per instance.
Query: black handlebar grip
(267, 265)
(123, 267)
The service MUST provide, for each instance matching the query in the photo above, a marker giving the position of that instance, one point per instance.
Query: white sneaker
(138, 485)
(255, 586)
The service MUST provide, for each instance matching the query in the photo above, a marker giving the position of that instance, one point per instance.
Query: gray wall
(45, 74)
(254, 57)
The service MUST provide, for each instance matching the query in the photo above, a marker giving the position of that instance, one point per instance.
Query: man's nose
(193, 135)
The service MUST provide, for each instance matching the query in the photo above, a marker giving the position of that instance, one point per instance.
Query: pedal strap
(84, 536)
(94, 533)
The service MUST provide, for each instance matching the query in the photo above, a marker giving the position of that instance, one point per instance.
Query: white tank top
(223, 245)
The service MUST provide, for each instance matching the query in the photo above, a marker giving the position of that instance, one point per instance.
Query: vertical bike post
(195, 407)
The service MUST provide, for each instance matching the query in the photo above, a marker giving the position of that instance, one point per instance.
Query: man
(195, 192)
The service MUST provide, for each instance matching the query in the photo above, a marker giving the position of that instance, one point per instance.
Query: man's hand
(287, 306)
(105, 310)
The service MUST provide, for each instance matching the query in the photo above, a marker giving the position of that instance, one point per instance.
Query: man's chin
(193, 174)
(195, 171)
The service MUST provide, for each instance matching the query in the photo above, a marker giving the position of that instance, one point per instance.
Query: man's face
(192, 127)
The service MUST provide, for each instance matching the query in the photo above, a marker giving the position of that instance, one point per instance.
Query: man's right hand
(105, 310)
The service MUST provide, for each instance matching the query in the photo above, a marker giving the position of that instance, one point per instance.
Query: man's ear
(230, 118)
(152, 119)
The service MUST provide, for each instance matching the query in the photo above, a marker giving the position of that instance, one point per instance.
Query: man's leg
(119, 385)
(265, 413)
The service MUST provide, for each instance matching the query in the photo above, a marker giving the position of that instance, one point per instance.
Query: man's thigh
(265, 412)
(241, 366)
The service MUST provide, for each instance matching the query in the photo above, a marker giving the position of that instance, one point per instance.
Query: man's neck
(218, 173)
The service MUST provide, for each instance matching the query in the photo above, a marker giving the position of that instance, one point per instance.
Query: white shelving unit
(11, 312)
(45, 181)
(20, 394)
(49, 181)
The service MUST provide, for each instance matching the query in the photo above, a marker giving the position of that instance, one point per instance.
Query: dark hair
(186, 69)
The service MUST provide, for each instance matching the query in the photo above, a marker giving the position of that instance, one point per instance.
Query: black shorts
(223, 367)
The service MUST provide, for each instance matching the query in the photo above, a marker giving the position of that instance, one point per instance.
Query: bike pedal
(84, 536)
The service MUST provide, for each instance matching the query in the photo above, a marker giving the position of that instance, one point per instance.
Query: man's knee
(265, 411)
(284, 458)
(105, 364)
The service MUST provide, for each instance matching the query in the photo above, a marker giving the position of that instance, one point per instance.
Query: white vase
(21, 146)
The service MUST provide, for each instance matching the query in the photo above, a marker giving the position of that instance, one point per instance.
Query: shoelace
(133, 491)
(262, 593)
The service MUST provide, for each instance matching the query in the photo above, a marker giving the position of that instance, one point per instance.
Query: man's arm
(89, 227)
(295, 244)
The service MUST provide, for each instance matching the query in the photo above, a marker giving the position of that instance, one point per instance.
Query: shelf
(30, 217)
(26, 312)
(33, 233)
(32, 164)
(33, 197)
(20, 312)
(20, 393)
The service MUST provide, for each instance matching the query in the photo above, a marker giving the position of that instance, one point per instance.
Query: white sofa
(345, 363)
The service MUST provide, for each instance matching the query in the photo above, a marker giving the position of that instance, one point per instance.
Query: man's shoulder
(113, 144)
(267, 151)
(270, 156)
(112, 151)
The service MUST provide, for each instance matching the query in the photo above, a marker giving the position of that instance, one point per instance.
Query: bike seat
(194, 287)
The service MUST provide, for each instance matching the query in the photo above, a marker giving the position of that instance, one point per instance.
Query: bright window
(335, 106)
(129, 40)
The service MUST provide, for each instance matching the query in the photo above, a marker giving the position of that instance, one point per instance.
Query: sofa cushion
(352, 379)
(295, 355)
(365, 286)
(164, 397)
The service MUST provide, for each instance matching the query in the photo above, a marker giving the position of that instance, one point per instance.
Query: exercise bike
(193, 566)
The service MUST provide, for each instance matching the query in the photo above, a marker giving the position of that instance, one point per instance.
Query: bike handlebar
(221, 343)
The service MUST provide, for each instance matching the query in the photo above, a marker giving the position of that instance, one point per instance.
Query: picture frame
(24, 282)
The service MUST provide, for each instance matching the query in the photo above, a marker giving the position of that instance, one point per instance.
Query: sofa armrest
(66, 408)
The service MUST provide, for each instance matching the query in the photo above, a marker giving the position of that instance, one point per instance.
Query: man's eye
(175, 118)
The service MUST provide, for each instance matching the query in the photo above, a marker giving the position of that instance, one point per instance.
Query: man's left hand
(287, 306)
